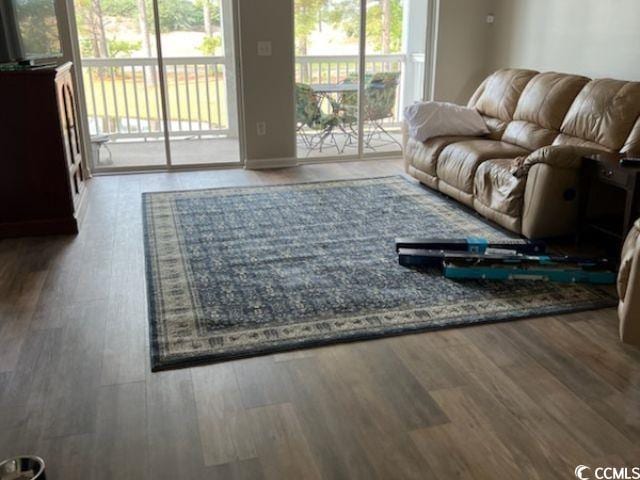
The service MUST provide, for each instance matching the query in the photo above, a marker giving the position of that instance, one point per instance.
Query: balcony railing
(123, 99)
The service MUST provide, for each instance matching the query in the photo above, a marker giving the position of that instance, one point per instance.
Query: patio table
(325, 92)
(334, 87)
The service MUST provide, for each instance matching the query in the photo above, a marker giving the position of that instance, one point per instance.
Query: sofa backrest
(496, 98)
(542, 108)
(602, 115)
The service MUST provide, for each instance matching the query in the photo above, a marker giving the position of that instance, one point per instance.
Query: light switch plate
(264, 48)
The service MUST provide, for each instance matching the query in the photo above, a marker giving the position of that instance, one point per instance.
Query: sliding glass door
(159, 82)
(122, 91)
(198, 58)
(340, 112)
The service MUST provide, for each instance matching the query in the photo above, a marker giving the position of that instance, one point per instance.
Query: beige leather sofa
(524, 174)
(629, 288)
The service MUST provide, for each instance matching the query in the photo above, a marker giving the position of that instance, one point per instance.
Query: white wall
(463, 46)
(267, 82)
(596, 38)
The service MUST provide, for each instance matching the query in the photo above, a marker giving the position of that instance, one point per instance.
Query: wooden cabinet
(41, 170)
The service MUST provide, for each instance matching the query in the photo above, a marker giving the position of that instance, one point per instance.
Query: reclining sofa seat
(534, 121)
(524, 174)
(602, 118)
(496, 99)
(498, 192)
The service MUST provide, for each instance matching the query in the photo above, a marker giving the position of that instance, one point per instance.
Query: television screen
(28, 30)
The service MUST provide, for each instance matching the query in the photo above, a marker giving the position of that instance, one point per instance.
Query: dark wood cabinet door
(69, 124)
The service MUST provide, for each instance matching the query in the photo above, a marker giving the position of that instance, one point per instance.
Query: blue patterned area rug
(235, 272)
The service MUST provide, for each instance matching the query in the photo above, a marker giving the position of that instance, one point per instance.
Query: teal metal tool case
(478, 258)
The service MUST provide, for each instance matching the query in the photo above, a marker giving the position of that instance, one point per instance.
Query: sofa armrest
(552, 190)
(629, 288)
(550, 201)
(560, 156)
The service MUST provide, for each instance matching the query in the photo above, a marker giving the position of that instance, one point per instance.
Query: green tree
(344, 14)
(179, 15)
(210, 14)
(119, 8)
(307, 20)
(145, 29)
(384, 22)
(122, 48)
(384, 26)
(91, 26)
(210, 45)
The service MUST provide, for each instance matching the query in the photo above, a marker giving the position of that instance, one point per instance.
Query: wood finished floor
(525, 399)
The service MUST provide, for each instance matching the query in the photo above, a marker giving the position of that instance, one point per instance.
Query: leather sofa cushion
(424, 178)
(424, 155)
(498, 95)
(496, 187)
(604, 112)
(459, 161)
(563, 139)
(541, 109)
(528, 135)
(496, 127)
(507, 221)
(547, 98)
(632, 145)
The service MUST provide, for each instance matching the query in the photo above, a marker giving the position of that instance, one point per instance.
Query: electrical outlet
(261, 128)
(264, 48)
(490, 18)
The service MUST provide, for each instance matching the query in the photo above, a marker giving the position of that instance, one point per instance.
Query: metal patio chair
(378, 105)
(313, 126)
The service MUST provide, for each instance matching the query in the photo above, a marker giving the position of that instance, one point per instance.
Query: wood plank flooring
(525, 399)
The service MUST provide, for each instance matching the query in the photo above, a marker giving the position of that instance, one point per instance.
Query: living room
(248, 239)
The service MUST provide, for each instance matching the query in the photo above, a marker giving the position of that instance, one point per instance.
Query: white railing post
(124, 119)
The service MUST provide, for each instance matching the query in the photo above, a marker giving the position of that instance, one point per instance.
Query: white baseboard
(260, 163)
